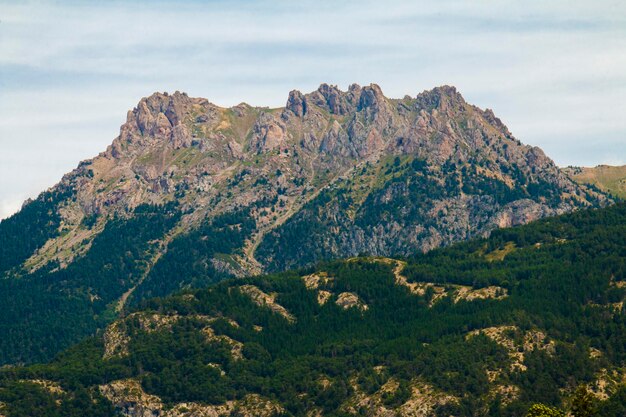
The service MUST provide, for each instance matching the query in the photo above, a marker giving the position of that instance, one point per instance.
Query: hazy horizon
(69, 71)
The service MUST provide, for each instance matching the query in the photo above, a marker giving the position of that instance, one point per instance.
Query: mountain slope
(190, 193)
(610, 179)
(486, 327)
(274, 161)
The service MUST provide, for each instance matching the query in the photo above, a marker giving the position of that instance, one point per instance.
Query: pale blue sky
(554, 72)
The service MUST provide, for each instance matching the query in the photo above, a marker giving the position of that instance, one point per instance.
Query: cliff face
(333, 173)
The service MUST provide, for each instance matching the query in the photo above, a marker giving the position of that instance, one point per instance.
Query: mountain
(607, 178)
(190, 193)
(531, 315)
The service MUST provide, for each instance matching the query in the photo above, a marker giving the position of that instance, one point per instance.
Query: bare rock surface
(348, 300)
(131, 400)
(261, 298)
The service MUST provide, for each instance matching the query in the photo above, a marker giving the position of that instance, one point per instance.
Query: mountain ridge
(160, 120)
(190, 193)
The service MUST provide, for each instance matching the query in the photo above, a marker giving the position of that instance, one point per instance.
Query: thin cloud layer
(69, 71)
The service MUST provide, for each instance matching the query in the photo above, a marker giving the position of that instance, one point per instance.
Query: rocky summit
(333, 174)
(190, 193)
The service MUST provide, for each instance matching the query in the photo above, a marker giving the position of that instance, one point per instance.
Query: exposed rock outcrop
(423, 401)
(129, 397)
(263, 299)
(348, 300)
(517, 342)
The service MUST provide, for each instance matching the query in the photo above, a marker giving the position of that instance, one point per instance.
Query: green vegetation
(33, 400)
(404, 197)
(29, 229)
(540, 410)
(564, 284)
(48, 310)
(584, 404)
(59, 306)
(611, 179)
(187, 262)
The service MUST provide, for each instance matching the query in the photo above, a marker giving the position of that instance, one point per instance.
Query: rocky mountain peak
(331, 98)
(296, 103)
(273, 163)
(336, 101)
(444, 98)
(371, 96)
(172, 106)
(160, 117)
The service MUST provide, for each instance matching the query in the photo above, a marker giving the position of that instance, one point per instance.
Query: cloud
(9, 206)
(69, 70)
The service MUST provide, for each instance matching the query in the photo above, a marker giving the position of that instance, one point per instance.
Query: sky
(553, 71)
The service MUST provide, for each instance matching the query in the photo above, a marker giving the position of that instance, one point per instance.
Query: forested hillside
(532, 315)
